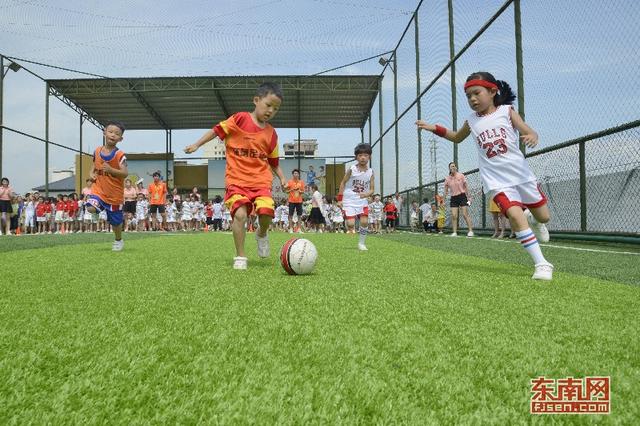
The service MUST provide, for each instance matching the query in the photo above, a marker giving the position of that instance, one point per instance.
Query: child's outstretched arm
(455, 136)
(209, 135)
(527, 134)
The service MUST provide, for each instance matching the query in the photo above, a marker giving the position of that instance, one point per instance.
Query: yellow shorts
(256, 200)
(493, 207)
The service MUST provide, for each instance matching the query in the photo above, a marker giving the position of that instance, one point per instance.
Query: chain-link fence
(573, 70)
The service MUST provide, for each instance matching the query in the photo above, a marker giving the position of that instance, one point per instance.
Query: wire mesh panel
(558, 174)
(612, 166)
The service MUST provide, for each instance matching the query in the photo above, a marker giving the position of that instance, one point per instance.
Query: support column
(299, 152)
(166, 156)
(395, 117)
(1, 109)
(381, 137)
(80, 155)
(46, 143)
(371, 158)
(298, 120)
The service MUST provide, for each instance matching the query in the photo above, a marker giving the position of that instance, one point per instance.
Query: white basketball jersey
(500, 160)
(359, 182)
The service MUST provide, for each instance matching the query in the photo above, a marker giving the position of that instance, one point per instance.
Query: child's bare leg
(496, 223)
(117, 230)
(238, 229)
(264, 220)
(351, 223)
(517, 219)
(541, 213)
(454, 219)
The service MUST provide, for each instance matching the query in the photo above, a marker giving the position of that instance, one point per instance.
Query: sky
(580, 65)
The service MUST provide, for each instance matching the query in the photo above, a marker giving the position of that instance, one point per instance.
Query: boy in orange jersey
(109, 170)
(252, 158)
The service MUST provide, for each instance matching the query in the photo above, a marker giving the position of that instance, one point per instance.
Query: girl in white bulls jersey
(356, 187)
(505, 174)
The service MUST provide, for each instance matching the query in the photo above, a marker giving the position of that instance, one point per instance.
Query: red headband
(483, 83)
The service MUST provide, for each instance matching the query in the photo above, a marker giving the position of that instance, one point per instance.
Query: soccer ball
(298, 256)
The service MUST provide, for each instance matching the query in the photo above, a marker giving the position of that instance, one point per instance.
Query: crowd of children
(37, 214)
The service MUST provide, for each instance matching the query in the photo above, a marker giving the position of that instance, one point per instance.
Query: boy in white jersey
(355, 188)
(504, 171)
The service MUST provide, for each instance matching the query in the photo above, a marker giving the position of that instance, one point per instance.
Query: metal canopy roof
(200, 102)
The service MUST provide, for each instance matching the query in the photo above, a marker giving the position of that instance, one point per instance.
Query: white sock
(363, 234)
(530, 243)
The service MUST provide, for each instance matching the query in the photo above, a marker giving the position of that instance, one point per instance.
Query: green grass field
(418, 330)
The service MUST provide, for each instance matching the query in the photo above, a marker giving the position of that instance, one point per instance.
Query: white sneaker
(263, 245)
(539, 229)
(290, 231)
(300, 231)
(240, 263)
(117, 245)
(362, 247)
(544, 271)
(453, 234)
(470, 234)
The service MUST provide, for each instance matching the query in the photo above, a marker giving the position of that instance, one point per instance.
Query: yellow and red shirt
(251, 151)
(110, 189)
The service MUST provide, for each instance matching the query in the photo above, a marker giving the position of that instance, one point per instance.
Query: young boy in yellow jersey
(252, 158)
(108, 172)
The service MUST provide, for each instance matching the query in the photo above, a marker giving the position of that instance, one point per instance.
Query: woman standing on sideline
(457, 184)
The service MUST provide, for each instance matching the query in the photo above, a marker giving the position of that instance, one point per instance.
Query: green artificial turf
(416, 330)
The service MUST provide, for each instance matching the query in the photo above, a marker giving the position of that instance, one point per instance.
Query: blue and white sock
(363, 234)
(530, 243)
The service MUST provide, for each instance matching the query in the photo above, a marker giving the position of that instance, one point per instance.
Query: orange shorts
(256, 199)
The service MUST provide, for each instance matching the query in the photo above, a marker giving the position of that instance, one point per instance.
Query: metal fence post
(395, 117)
(452, 54)
(519, 66)
(419, 104)
(583, 186)
(80, 156)
(484, 210)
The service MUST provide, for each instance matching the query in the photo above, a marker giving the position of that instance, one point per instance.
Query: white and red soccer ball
(298, 256)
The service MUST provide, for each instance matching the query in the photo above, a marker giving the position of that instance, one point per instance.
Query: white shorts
(525, 195)
(375, 217)
(41, 219)
(350, 211)
(60, 216)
